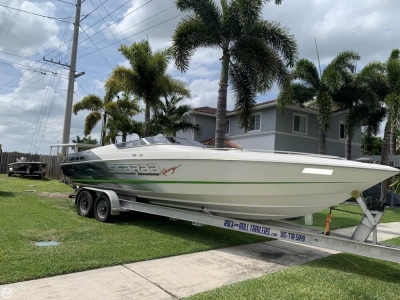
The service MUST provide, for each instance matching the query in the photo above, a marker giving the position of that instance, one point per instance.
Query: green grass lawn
(340, 276)
(28, 217)
(342, 219)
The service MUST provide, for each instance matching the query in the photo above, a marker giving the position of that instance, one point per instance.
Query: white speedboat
(232, 183)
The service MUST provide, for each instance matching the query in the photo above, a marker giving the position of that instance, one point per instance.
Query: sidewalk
(172, 277)
(386, 231)
(178, 276)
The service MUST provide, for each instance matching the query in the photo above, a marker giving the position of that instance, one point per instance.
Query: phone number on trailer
(263, 230)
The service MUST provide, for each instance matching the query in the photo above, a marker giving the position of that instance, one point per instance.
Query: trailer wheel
(102, 209)
(84, 204)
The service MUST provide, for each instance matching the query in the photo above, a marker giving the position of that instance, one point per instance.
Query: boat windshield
(158, 140)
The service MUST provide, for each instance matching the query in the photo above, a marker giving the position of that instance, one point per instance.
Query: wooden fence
(53, 168)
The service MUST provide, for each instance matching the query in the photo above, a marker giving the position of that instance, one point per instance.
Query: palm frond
(90, 102)
(128, 80)
(393, 74)
(346, 60)
(278, 39)
(171, 86)
(307, 72)
(91, 121)
(205, 10)
(244, 92)
(248, 13)
(302, 94)
(324, 104)
(185, 126)
(192, 33)
(263, 64)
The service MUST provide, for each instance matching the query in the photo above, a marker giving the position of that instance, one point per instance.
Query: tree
(308, 84)
(390, 83)
(167, 118)
(120, 114)
(97, 107)
(370, 145)
(255, 52)
(84, 140)
(146, 78)
(363, 104)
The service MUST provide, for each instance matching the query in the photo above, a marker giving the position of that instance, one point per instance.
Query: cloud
(27, 34)
(368, 27)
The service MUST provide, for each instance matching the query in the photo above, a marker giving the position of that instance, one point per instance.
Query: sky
(33, 92)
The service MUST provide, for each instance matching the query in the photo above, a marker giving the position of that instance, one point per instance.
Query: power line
(17, 86)
(96, 47)
(93, 10)
(119, 19)
(109, 14)
(9, 62)
(159, 13)
(24, 57)
(24, 89)
(59, 80)
(30, 125)
(82, 88)
(113, 22)
(132, 35)
(29, 12)
(105, 23)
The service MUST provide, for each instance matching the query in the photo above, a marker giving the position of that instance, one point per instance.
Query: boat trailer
(104, 204)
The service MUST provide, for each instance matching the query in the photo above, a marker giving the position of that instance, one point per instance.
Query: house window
(300, 123)
(341, 130)
(255, 123)
(227, 126)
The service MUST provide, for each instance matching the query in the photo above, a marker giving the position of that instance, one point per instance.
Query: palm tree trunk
(221, 105)
(321, 141)
(393, 138)
(124, 137)
(146, 120)
(385, 152)
(348, 148)
(103, 130)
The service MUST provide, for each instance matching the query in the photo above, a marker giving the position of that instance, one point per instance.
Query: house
(294, 130)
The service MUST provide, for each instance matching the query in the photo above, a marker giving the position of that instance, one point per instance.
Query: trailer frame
(104, 204)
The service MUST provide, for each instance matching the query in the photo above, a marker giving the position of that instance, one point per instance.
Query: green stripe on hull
(188, 182)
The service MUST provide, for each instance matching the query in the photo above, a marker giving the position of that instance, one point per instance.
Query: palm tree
(120, 114)
(167, 118)
(96, 105)
(309, 85)
(255, 52)
(363, 104)
(390, 83)
(84, 140)
(146, 78)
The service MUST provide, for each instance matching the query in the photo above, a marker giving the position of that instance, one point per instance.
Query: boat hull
(27, 168)
(250, 190)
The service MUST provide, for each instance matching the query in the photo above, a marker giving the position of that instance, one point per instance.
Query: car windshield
(157, 140)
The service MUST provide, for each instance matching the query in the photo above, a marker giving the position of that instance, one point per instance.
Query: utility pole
(71, 78)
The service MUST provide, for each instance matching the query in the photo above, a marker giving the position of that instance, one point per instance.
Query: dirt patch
(55, 195)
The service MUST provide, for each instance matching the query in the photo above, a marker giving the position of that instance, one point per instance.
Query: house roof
(213, 110)
(227, 143)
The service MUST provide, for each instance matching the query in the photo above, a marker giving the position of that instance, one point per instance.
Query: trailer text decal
(263, 230)
(140, 169)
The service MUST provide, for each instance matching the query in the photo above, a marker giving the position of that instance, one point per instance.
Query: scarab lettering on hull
(140, 169)
(136, 169)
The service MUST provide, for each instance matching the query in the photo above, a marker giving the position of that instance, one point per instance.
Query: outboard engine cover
(374, 204)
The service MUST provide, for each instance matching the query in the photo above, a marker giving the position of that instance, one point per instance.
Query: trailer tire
(102, 209)
(84, 204)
